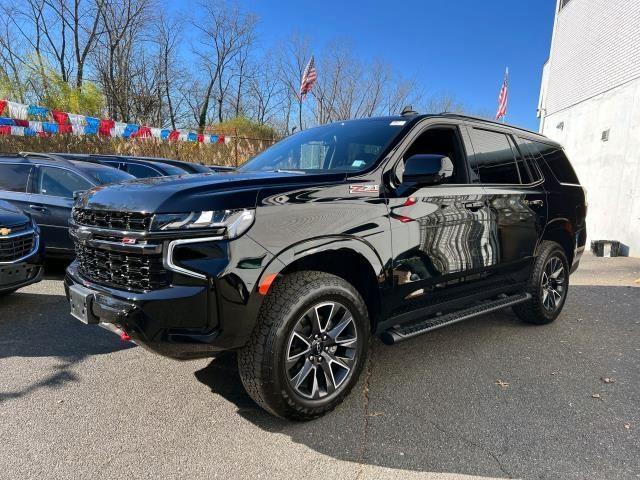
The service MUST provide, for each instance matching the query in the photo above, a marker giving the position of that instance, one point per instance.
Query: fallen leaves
(502, 384)
(608, 380)
(596, 395)
(627, 426)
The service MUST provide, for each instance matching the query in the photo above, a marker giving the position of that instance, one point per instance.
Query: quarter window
(14, 178)
(494, 160)
(558, 163)
(59, 182)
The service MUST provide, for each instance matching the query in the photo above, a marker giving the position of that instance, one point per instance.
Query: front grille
(127, 221)
(14, 248)
(131, 271)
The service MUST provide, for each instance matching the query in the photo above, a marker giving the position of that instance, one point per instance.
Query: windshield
(171, 170)
(339, 147)
(104, 175)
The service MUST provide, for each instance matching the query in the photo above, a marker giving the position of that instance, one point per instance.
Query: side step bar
(398, 334)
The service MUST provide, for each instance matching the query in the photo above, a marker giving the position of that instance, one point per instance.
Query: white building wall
(610, 170)
(595, 47)
(591, 84)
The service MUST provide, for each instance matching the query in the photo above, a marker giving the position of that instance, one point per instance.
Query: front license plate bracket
(80, 300)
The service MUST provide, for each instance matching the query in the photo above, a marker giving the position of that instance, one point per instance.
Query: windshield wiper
(279, 170)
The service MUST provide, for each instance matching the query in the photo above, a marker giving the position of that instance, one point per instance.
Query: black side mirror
(422, 170)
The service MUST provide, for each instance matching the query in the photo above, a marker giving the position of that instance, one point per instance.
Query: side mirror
(78, 193)
(422, 170)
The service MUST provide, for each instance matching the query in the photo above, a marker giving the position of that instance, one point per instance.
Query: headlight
(234, 222)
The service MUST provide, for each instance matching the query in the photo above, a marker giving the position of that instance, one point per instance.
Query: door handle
(535, 203)
(38, 208)
(474, 206)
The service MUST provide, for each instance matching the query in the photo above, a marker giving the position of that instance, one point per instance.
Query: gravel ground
(491, 397)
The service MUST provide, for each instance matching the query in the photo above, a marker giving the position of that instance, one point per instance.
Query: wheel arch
(351, 258)
(561, 232)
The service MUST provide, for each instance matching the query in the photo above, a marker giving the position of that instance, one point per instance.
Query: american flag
(309, 78)
(503, 98)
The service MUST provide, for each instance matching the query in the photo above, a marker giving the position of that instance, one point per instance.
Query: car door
(14, 181)
(516, 197)
(441, 235)
(51, 203)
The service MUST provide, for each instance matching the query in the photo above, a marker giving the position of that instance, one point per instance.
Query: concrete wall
(609, 170)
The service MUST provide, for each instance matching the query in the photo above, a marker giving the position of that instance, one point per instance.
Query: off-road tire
(261, 361)
(534, 310)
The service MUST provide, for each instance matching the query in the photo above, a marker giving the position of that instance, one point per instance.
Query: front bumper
(191, 317)
(23, 271)
(19, 275)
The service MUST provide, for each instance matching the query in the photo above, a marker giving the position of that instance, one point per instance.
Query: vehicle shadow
(489, 397)
(39, 325)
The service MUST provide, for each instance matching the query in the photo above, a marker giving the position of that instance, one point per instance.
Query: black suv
(20, 250)
(43, 185)
(388, 226)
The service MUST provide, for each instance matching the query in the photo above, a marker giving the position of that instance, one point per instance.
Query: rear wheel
(309, 346)
(548, 285)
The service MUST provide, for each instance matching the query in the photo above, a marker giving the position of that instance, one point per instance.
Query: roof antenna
(408, 111)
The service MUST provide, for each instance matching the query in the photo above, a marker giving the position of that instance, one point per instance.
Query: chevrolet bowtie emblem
(5, 231)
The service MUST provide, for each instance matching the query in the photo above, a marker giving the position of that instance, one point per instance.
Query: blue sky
(461, 46)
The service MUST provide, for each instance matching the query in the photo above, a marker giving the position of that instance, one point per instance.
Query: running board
(398, 334)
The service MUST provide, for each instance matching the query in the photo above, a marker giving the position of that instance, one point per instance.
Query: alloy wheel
(321, 351)
(553, 284)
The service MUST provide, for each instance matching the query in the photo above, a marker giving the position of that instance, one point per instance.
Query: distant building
(590, 102)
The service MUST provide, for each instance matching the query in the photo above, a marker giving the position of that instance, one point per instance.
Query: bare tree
(123, 23)
(295, 56)
(225, 32)
(167, 39)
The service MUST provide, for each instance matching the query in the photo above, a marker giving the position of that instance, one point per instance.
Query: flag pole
(504, 117)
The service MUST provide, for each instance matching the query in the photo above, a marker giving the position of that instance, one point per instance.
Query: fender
(321, 244)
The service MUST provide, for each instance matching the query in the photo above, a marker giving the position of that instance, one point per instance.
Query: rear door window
(494, 161)
(530, 153)
(14, 178)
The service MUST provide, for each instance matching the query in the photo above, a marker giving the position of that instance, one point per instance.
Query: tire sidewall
(280, 344)
(557, 252)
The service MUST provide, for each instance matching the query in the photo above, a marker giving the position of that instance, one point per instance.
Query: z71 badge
(363, 188)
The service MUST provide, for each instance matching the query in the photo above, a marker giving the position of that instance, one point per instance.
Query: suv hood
(187, 193)
(10, 215)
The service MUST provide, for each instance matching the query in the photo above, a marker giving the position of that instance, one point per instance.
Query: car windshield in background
(171, 170)
(104, 175)
(339, 147)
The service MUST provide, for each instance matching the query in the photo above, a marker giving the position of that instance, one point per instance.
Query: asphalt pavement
(491, 397)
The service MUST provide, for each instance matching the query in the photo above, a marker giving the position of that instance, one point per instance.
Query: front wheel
(548, 285)
(308, 347)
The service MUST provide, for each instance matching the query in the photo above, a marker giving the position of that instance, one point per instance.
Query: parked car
(189, 167)
(21, 250)
(138, 167)
(389, 226)
(43, 186)
(220, 168)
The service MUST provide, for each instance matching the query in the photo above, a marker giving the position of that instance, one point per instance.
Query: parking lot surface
(491, 397)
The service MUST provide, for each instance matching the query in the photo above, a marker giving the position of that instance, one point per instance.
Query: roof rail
(50, 156)
(485, 120)
(59, 157)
